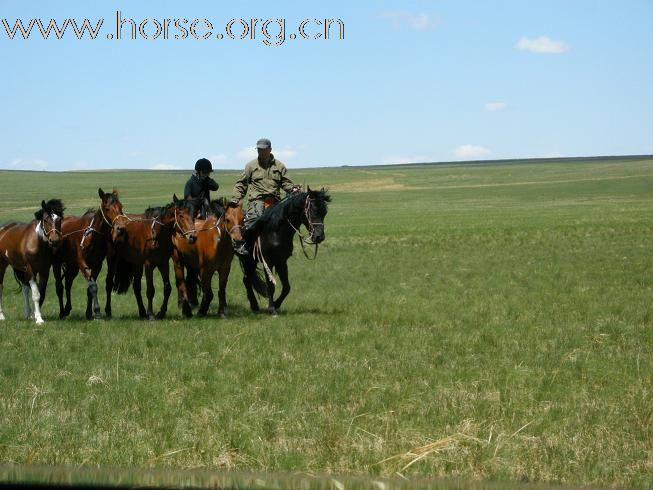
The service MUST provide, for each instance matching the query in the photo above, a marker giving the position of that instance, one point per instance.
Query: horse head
(50, 216)
(111, 209)
(234, 217)
(315, 209)
(184, 218)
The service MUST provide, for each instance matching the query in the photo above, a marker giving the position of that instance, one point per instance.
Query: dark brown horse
(143, 242)
(84, 248)
(270, 240)
(212, 252)
(29, 249)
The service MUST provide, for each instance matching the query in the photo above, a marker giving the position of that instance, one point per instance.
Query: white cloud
(470, 152)
(496, 106)
(247, 154)
(285, 153)
(218, 158)
(418, 21)
(22, 164)
(542, 45)
(165, 166)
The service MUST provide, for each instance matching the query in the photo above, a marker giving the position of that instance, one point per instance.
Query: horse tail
(122, 277)
(20, 279)
(253, 275)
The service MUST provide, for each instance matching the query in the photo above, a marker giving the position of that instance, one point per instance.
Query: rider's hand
(235, 202)
(295, 189)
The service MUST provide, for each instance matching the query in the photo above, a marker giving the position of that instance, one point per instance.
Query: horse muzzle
(118, 232)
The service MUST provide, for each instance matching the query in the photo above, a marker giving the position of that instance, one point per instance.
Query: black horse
(270, 242)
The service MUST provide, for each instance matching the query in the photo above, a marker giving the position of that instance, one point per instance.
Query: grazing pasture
(476, 321)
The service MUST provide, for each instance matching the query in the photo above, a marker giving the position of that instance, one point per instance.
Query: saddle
(269, 201)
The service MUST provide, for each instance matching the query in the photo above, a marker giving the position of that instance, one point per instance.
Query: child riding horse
(212, 252)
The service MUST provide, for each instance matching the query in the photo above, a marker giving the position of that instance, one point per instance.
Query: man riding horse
(264, 177)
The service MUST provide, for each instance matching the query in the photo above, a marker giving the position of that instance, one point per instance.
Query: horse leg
(138, 276)
(182, 293)
(69, 277)
(58, 284)
(109, 286)
(43, 285)
(3, 267)
(270, 288)
(36, 298)
(26, 293)
(249, 267)
(223, 276)
(92, 302)
(282, 272)
(149, 284)
(191, 286)
(164, 270)
(207, 293)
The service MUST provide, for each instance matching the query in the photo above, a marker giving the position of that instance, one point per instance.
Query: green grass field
(476, 321)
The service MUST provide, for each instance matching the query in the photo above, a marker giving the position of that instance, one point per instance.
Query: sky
(410, 81)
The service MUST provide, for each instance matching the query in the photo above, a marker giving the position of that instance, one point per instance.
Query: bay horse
(143, 242)
(270, 242)
(29, 249)
(84, 248)
(213, 252)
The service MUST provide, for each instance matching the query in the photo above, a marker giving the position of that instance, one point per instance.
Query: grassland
(483, 322)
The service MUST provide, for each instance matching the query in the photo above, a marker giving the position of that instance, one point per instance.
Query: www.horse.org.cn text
(271, 32)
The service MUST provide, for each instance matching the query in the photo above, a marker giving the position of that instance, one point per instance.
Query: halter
(311, 228)
(184, 233)
(52, 229)
(105, 218)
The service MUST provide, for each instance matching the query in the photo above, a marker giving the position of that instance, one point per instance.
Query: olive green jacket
(262, 181)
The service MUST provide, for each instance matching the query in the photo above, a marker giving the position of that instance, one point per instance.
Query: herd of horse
(199, 244)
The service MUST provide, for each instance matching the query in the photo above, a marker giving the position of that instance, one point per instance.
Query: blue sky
(411, 81)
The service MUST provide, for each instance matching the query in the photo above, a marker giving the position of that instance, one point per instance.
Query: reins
(302, 239)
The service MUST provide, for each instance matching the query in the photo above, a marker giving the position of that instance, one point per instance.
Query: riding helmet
(203, 165)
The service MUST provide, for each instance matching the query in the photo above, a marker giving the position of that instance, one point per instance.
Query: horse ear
(43, 204)
(308, 187)
(100, 192)
(174, 198)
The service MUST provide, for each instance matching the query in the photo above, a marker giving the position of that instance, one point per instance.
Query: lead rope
(258, 251)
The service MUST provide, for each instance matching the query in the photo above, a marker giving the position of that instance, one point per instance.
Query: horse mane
(156, 211)
(275, 215)
(53, 206)
(90, 211)
(217, 206)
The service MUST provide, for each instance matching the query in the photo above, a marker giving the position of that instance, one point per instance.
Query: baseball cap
(264, 144)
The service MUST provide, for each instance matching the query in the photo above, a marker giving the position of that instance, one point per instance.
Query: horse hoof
(152, 318)
(201, 314)
(222, 315)
(272, 311)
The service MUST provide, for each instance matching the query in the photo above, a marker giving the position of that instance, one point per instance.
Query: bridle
(311, 229)
(184, 233)
(52, 229)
